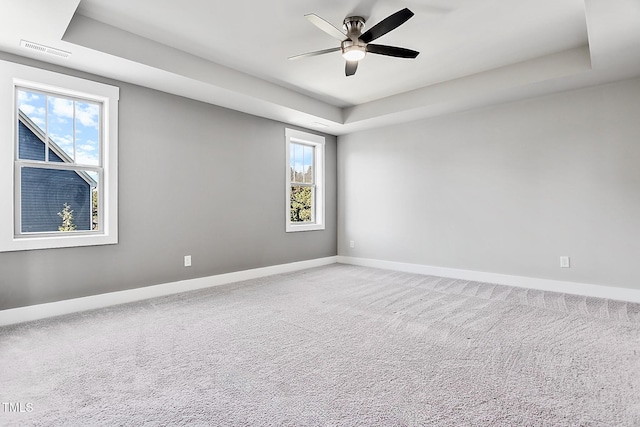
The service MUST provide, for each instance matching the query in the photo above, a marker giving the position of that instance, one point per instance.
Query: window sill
(292, 228)
(50, 242)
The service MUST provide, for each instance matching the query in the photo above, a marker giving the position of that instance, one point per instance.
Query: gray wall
(195, 179)
(506, 189)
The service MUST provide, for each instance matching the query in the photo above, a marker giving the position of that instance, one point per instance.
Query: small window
(304, 181)
(63, 145)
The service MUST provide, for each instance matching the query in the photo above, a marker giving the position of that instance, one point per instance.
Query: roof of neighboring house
(35, 129)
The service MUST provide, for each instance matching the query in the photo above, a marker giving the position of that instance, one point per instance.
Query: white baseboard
(584, 289)
(41, 311)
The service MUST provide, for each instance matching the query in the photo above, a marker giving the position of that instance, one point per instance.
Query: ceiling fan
(355, 44)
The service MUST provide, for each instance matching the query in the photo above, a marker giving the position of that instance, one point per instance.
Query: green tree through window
(301, 204)
(67, 219)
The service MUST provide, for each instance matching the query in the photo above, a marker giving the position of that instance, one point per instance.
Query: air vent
(44, 49)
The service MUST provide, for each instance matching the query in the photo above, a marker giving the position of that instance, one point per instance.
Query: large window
(305, 181)
(62, 144)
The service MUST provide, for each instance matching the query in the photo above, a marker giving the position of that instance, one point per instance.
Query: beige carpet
(332, 346)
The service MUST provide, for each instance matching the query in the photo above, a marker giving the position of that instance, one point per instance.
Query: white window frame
(14, 75)
(318, 214)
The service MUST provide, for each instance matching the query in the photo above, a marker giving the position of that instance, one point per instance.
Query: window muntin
(58, 165)
(305, 181)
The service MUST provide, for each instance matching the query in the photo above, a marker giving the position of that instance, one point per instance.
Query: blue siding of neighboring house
(45, 191)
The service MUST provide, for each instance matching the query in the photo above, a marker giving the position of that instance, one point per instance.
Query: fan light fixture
(354, 53)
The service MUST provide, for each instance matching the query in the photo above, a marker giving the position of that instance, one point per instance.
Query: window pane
(308, 164)
(301, 204)
(87, 133)
(56, 200)
(95, 201)
(31, 125)
(299, 163)
(60, 128)
(292, 160)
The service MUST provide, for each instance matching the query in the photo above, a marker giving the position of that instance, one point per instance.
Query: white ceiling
(472, 52)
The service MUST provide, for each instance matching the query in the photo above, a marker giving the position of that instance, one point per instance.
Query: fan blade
(316, 53)
(398, 52)
(389, 23)
(350, 68)
(326, 26)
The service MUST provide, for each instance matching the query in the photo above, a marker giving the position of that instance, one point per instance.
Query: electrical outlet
(352, 244)
(564, 262)
(187, 260)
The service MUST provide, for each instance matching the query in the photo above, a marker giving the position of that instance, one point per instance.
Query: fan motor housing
(353, 45)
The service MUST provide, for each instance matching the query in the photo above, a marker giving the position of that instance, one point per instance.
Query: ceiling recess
(44, 49)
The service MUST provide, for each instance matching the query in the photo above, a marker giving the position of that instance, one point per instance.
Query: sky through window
(73, 125)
